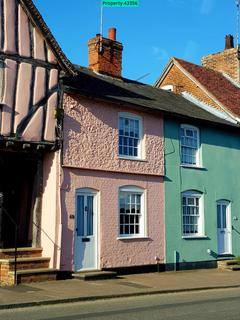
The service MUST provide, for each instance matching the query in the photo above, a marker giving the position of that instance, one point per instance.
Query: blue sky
(151, 34)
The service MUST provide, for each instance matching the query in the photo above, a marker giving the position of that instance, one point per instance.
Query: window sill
(132, 158)
(133, 238)
(193, 167)
(194, 237)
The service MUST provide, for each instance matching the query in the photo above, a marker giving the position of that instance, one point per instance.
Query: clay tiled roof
(41, 24)
(216, 84)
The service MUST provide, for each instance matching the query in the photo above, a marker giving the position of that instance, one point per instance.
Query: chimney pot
(112, 34)
(229, 42)
(105, 54)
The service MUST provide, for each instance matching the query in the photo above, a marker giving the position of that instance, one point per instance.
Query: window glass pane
(130, 206)
(128, 136)
(189, 146)
(219, 224)
(121, 229)
(80, 216)
(190, 212)
(224, 213)
(89, 215)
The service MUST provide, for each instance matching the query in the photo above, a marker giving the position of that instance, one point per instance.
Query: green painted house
(202, 191)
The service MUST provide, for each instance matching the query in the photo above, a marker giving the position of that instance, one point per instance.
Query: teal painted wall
(219, 179)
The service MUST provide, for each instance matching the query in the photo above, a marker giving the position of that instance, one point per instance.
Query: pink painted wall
(114, 252)
(90, 160)
(91, 138)
(51, 216)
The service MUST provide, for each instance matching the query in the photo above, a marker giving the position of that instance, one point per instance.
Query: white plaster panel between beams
(9, 26)
(49, 134)
(24, 33)
(23, 92)
(53, 79)
(51, 57)
(39, 85)
(10, 74)
(1, 23)
(33, 131)
(39, 52)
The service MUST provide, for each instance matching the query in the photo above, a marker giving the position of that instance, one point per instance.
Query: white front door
(85, 251)
(224, 232)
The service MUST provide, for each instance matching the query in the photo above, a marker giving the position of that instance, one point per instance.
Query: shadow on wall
(67, 245)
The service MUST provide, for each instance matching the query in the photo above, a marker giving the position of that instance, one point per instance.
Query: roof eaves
(69, 89)
(209, 94)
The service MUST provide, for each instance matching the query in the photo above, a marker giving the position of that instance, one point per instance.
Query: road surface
(211, 304)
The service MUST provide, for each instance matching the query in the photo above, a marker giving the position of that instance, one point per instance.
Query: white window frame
(195, 195)
(198, 159)
(142, 215)
(132, 116)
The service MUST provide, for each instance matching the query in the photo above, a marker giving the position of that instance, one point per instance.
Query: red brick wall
(182, 83)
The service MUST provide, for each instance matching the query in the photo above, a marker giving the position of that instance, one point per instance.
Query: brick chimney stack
(105, 54)
(229, 42)
(226, 61)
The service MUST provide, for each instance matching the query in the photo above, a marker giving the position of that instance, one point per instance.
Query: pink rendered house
(112, 169)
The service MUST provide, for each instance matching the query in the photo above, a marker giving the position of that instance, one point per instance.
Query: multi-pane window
(129, 136)
(189, 145)
(191, 214)
(131, 216)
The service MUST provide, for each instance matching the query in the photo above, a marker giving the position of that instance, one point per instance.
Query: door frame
(228, 224)
(96, 229)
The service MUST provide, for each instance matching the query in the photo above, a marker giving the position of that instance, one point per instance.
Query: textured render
(181, 82)
(114, 252)
(91, 138)
(218, 179)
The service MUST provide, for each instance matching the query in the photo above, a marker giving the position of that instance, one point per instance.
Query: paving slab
(53, 292)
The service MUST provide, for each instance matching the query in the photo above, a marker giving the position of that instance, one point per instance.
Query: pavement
(64, 291)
